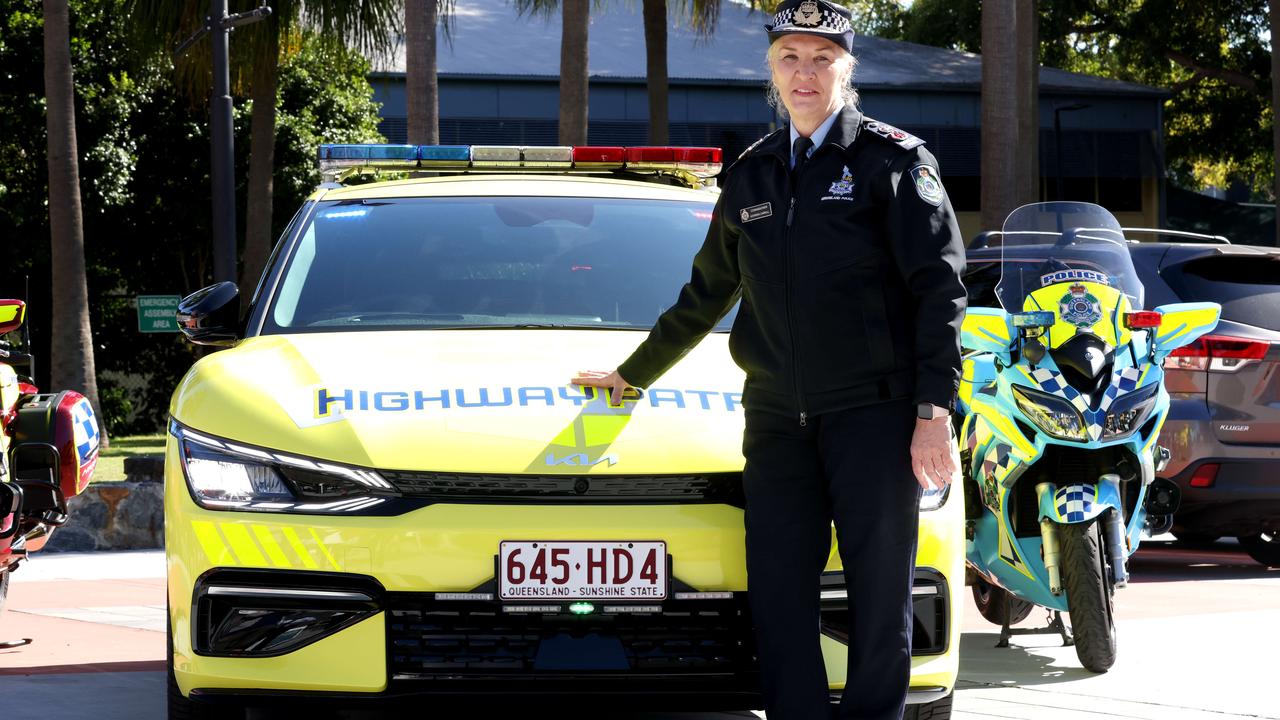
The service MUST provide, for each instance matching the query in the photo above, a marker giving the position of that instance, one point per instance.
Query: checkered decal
(1051, 381)
(1123, 382)
(998, 461)
(830, 23)
(85, 428)
(1075, 501)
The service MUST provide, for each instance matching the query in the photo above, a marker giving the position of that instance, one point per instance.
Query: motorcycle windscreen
(1077, 245)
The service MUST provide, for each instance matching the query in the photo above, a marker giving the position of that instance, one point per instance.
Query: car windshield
(477, 262)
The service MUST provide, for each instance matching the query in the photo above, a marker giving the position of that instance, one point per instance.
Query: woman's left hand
(935, 457)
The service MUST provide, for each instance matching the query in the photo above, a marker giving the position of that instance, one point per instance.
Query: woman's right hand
(612, 381)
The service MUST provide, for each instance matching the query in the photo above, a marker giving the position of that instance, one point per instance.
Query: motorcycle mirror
(12, 313)
(211, 316)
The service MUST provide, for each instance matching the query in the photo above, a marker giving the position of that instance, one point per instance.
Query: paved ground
(1198, 635)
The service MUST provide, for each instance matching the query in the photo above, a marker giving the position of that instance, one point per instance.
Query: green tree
(1212, 55)
(370, 25)
(145, 183)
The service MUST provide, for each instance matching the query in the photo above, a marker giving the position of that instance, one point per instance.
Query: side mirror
(987, 330)
(211, 316)
(12, 313)
(1182, 324)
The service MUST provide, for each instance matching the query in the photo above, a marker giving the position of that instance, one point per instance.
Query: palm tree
(1004, 102)
(703, 14)
(655, 50)
(422, 86)
(1028, 89)
(575, 20)
(262, 149)
(71, 363)
(370, 25)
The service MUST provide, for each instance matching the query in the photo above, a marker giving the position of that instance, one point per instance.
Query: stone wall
(126, 515)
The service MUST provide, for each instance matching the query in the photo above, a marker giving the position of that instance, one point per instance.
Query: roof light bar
(692, 166)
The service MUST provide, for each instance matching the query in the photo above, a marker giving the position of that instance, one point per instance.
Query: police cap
(813, 17)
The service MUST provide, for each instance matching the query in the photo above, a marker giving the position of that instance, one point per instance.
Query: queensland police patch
(928, 187)
(1080, 308)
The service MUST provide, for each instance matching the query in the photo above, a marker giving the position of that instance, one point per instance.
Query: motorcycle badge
(1080, 308)
(808, 14)
(927, 185)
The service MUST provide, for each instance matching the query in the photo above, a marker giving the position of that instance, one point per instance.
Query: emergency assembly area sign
(157, 313)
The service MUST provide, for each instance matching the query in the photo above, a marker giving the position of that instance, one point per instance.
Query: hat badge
(808, 14)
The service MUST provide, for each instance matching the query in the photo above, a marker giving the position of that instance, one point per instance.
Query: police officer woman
(836, 234)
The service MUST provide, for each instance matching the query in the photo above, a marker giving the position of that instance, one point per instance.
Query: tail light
(1205, 475)
(1217, 353)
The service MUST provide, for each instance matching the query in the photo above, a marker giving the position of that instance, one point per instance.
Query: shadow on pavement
(1176, 563)
(103, 667)
(983, 664)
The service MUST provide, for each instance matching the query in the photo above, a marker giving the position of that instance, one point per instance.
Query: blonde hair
(847, 92)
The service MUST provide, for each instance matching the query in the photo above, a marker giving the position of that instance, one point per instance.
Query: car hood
(483, 401)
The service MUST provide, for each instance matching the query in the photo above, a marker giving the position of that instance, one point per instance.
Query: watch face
(925, 411)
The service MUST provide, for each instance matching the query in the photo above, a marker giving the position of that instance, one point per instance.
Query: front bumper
(411, 641)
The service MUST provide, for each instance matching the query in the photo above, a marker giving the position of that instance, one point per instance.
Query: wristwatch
(929, 411)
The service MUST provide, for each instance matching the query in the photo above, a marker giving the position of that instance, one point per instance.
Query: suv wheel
(1263, 547)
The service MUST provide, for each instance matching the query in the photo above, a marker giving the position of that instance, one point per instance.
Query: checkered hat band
(830, 23)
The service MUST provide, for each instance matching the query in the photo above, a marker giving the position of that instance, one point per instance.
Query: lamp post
(222, 172)
(1057, 138)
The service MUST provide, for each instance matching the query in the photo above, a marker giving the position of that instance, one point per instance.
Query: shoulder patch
(901, 138)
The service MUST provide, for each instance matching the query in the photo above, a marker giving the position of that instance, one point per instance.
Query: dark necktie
(800, 151)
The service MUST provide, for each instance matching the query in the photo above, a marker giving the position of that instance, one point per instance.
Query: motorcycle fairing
(1078, 503)
(1111, 306)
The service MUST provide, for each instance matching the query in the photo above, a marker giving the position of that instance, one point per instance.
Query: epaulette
(756, 144)
(901, 138)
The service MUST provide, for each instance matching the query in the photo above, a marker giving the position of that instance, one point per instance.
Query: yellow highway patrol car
(384, 490)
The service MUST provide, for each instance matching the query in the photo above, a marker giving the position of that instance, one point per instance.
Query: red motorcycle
(48, 450)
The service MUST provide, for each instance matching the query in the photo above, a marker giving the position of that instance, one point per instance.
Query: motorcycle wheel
(936, 710)
(1087, 581)
(1263, 547)
(993, 602)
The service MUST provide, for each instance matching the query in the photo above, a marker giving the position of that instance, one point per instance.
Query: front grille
(454, 487)
(427, 638)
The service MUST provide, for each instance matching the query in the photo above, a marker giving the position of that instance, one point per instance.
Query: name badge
(755, 212)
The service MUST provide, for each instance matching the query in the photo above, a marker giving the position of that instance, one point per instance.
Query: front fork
(1112, 536)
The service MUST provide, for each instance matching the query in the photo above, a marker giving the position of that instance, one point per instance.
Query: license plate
(582, 570)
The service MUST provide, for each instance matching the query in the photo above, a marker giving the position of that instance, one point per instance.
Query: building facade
(499, 75)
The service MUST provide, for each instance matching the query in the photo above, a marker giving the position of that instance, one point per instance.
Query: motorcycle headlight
(1050, 413)
(934, 498)
(1129, 412)
(225, 475)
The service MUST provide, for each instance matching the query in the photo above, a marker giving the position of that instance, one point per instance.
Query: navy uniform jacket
(849, 279)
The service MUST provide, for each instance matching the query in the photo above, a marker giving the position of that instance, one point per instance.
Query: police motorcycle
(48, 450)
(1061, 402)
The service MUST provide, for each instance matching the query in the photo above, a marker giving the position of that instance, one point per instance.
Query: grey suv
(1223, 429)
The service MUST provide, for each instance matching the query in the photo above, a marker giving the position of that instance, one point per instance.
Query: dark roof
(490, 38)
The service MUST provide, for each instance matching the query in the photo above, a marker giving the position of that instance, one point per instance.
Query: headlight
(1050, 413)
(1129, 412)
(934, 498)
(225, 475)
